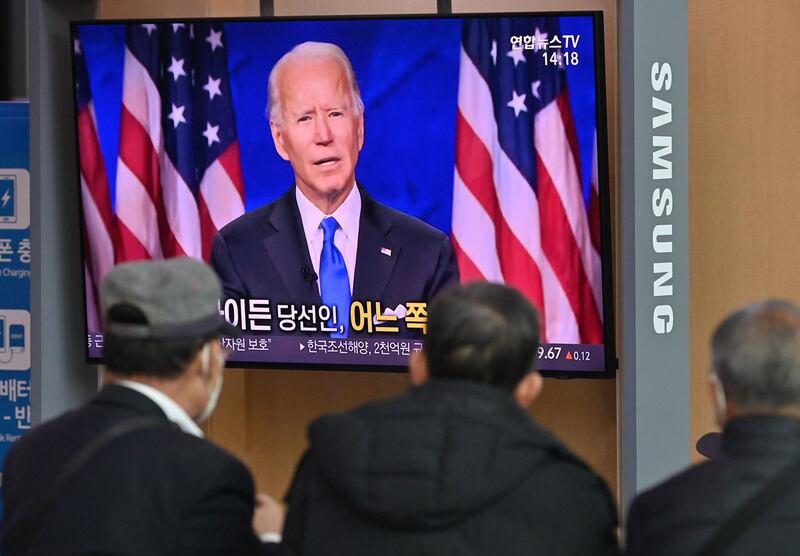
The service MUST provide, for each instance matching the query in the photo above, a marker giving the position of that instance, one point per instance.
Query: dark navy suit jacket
(263, 255)
(156, 491)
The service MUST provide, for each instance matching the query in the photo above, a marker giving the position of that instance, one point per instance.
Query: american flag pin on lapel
(386, 251)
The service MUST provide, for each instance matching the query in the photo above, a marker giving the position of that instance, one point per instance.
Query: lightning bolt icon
(5, 198)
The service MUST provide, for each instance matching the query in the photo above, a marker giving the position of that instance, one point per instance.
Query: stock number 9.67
(552, 352)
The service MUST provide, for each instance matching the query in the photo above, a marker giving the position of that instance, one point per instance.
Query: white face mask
(216, 390)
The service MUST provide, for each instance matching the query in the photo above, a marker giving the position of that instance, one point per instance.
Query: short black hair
(156, 357)
(482, 332)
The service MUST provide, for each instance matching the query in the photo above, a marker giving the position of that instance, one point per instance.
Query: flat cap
(162, 300)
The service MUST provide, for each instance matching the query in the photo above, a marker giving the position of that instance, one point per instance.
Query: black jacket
(680, 515)
(451, 468)
(157, 491)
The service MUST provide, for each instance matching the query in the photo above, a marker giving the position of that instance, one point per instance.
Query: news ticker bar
(277, 350)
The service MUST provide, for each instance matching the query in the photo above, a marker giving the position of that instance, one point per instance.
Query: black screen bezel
(606, 256)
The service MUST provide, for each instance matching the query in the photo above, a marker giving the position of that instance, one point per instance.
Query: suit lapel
(377, 254)
(289, 252)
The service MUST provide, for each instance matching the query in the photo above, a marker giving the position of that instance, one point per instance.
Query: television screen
(338, 173)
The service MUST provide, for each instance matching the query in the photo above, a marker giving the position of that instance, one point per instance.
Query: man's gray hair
(310, 50)
(756, 355)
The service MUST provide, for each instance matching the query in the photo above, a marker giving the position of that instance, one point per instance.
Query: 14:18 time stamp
(558, 58)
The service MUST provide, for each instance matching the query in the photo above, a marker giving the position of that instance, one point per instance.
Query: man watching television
(457, 465)
(747, 499)
(129, 472)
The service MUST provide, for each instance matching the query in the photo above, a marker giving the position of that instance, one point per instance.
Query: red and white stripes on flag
(533, 236)
(98, 217)
(171, 202)
(144, 232)
(179, 177)
(594, 200)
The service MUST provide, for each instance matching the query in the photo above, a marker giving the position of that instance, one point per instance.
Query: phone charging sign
(15, 272)
(7, 199)
(14, 200)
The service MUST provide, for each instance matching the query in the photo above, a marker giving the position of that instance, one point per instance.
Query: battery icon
(8, 199)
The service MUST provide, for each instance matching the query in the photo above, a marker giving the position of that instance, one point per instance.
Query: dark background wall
(13, 50)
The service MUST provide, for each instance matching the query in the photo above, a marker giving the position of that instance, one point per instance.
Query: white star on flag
(212, 87)
(535, 88)
(538, 38)
(195, 176)
(214, 39)
(150, 27)
(211, 133)
(177, 115)
(176, 69)
(493, 52)
(517, 102)
(517, 55)
(76, 45)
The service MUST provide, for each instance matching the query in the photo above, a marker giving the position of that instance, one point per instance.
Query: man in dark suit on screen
(129, 472)
(326, 240)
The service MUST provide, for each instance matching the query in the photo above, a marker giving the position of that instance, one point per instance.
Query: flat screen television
(478, 151)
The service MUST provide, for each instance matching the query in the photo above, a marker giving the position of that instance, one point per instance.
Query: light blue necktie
(333, 281)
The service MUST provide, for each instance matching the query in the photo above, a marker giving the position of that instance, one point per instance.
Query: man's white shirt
(170, 407)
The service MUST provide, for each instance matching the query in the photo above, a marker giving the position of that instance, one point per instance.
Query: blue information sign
(15, 272)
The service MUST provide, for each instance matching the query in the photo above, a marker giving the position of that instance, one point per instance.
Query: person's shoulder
(363, 415)
(561, 467)
(55, 430)
(375, 410)
(182, 442)
(349, 428)
(564, 478)
(695, 482)
(254, 219)
(404, 225)
(198, 456)
(672, 513)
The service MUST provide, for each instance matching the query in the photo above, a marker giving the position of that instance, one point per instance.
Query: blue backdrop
(408, 73)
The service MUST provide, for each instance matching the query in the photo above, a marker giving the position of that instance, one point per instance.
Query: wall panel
(743, 141)
(361, 7)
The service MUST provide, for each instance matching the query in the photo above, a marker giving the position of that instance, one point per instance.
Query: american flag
(98, 218)
(179, 173)
(519, 213)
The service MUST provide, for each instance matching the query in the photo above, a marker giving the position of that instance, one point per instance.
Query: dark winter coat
(451, 468)
(680, 515)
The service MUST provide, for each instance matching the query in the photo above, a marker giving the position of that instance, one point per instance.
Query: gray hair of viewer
(756, 355)
(310, 50)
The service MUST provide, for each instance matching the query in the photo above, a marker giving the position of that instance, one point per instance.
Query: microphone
(309, 275)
